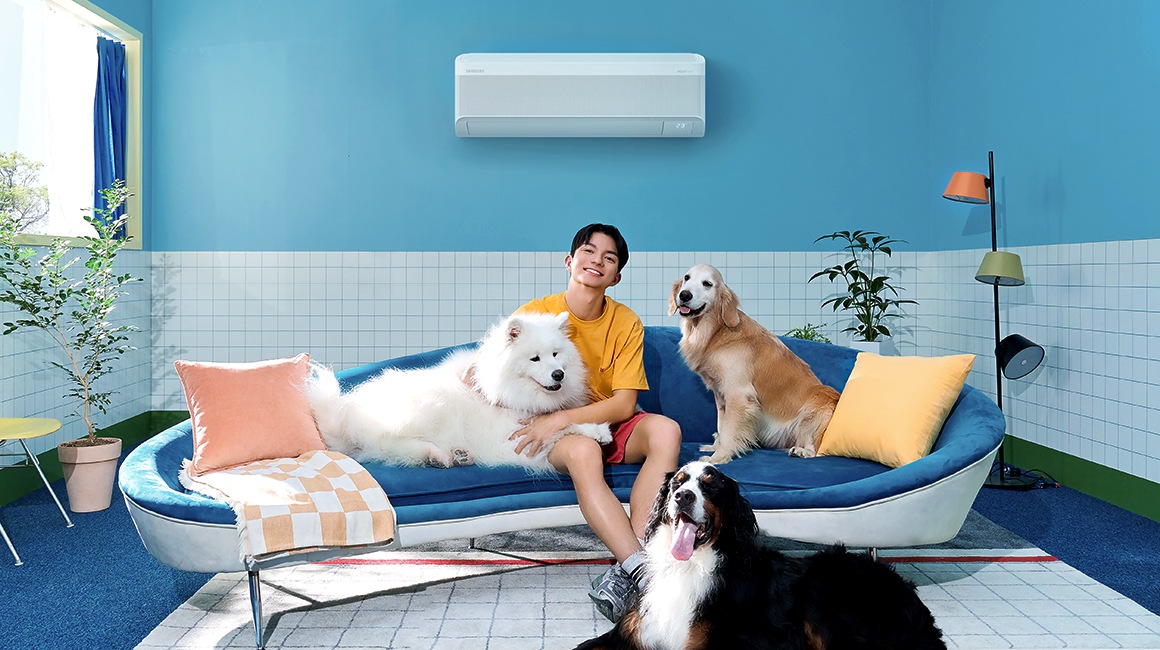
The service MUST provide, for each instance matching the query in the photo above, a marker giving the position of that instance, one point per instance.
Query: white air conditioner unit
(580, 95)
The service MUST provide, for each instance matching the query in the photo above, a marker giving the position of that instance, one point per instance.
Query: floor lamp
(1015, 356)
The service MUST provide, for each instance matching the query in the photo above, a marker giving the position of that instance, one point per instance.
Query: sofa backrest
(674, 390)
(677, 392)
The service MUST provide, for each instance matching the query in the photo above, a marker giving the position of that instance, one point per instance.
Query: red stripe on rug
(972, 558)
(355, 561)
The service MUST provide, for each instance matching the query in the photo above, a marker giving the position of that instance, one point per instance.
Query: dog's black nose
(685, 295)
(683, 497)
(557, 375)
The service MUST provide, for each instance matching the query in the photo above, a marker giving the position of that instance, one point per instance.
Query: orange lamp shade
(967, 187)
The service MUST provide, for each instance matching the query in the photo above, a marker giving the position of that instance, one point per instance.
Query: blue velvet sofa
(822, 500)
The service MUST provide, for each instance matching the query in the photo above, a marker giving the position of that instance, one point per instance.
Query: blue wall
(1067, 94)
(294, 125)
(307, 125)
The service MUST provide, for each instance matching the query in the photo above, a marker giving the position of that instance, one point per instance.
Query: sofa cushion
(244, 412)
(892, 408)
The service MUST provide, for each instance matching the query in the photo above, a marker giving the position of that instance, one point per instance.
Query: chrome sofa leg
(256, 605)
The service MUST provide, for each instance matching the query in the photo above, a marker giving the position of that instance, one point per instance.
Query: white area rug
(511, 599)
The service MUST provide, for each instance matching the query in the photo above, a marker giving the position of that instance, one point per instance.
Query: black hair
(584, 235)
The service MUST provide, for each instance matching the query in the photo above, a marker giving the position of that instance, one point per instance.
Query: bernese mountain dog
(711, 586)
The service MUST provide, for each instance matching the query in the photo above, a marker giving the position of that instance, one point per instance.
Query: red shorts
(614, 451)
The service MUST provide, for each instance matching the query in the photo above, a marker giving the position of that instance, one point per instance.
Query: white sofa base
(931, 514)
(928, 515)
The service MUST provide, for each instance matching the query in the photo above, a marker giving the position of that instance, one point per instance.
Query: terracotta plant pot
(89, 472)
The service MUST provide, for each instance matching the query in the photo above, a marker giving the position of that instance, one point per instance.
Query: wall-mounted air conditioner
(580, 95)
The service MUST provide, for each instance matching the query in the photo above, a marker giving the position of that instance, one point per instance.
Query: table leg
(36, 464)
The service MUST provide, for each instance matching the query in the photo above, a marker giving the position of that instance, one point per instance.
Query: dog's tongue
(684, 534)
(684, 310)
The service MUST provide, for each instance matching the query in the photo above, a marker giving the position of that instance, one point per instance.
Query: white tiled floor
(434, 601)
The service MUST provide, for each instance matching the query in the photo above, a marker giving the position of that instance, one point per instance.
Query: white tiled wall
(347, 309)
(1091, 306)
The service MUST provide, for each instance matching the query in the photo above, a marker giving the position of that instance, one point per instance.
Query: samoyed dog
(463, 410)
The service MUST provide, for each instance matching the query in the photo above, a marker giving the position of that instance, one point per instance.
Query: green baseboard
(1129, 492)
(18, 482)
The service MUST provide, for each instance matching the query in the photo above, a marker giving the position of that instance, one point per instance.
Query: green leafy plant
(809, 332)
(21, 197)
(869, 293)
(74, 311)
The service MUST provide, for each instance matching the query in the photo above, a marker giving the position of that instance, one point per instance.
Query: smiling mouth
(688, 312)
(552, 387)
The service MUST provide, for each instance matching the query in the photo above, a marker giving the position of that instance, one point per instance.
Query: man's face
(594, 264)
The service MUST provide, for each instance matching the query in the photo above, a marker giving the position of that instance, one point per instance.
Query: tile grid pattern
(1095, 307)
(976, 604)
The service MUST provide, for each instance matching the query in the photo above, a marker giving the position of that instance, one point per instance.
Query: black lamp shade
(1018, 356)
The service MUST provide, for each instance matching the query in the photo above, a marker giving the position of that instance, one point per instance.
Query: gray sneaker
(612, 592)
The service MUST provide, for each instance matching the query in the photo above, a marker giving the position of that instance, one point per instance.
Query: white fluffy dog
(463, 410)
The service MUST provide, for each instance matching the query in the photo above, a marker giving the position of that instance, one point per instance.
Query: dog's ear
(738, 511)
(730, 306)
(561, 320)
(660, 507)
(515, 327)
(673, 296)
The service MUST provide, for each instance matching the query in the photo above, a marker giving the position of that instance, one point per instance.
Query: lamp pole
(997, 269)
(995, 288)
(1005, 479)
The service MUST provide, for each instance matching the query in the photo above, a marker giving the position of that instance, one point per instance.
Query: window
(48, 71)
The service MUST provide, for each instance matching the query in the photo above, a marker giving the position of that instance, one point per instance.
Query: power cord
(1046, 480)
(1041, 478)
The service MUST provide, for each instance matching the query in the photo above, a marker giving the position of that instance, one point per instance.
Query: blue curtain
(109, 120)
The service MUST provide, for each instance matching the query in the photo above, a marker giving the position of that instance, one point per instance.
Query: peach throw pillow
(244, 412)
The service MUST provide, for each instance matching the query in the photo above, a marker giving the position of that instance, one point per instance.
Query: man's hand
(537, 431)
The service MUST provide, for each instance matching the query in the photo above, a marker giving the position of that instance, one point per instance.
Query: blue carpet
(90, 586)
(1112, 545)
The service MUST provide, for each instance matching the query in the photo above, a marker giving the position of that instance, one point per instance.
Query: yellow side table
(22, 429)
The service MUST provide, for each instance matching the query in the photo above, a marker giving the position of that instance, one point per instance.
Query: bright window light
(50, 57)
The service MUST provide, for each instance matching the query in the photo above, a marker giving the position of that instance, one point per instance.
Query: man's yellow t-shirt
(612, 346)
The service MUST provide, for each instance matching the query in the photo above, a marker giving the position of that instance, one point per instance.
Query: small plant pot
(89, 472)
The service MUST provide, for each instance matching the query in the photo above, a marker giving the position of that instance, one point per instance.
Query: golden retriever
(766, 395)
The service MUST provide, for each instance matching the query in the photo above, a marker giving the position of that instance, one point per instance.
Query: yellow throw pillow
(893, 407)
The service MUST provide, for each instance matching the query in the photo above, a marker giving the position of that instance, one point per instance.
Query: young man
(610, 338)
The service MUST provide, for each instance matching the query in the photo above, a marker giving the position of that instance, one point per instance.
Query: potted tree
(869, 295)
(74, 310)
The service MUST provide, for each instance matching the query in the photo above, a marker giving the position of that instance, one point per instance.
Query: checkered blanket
(294, 505)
